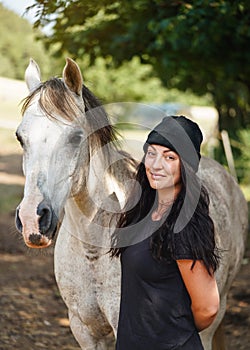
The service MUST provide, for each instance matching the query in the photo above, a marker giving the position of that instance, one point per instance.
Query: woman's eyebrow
(164, 151)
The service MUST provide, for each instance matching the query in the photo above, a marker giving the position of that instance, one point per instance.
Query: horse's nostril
(19, 225)
(35, 239)
(45, 213)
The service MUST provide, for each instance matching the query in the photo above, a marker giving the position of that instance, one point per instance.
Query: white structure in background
(12, 90)
(136, 119)
(11, 94)
(208, 119)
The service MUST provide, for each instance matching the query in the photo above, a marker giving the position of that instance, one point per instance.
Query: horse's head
(52, 133)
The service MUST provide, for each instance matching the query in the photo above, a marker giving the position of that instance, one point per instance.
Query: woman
(167, 246)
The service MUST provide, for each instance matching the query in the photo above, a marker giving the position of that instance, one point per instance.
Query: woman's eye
(150, 154)
(170, 157)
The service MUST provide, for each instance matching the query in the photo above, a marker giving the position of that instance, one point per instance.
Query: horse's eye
(76, 138)
(19, 139)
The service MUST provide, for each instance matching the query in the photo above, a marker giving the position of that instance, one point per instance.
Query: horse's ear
(72, 76)
(32, 75)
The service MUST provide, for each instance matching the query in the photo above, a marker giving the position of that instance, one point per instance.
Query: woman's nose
(157, 163)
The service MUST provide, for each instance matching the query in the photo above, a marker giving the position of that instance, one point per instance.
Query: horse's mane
(56, 100)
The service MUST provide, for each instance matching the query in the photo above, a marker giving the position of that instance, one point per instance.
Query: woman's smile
(157, 176)
(163, 168)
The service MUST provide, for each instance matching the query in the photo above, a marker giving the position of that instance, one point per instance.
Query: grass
(10, 196)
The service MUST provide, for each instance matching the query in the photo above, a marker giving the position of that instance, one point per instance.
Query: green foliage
(243, 163)
(123, 83)
(200, 45)
(18, 44)
(131, 81)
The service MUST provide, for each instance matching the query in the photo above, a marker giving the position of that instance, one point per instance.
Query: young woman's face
(163, 168)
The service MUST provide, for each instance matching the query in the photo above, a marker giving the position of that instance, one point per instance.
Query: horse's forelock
(55, 99)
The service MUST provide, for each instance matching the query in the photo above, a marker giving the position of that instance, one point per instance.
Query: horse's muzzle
(47, 226)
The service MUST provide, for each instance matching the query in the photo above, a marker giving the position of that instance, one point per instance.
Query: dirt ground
(33, 315)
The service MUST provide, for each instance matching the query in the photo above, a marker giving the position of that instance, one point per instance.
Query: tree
(125, 83)
(200, 45)
(18, 44)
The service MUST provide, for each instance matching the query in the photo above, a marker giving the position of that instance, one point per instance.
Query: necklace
(166, 204)
(161, 209)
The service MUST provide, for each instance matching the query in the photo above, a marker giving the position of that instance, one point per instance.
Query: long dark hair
(197, 236)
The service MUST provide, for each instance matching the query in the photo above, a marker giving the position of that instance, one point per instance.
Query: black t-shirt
(155, 309)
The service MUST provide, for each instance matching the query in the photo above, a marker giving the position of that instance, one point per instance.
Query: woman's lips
(156, 176)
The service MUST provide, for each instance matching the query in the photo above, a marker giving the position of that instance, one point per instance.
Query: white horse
(74, 178)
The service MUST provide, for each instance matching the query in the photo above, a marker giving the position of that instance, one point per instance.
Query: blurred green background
(186, 57)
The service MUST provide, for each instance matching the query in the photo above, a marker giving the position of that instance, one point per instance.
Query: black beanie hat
(181, 135)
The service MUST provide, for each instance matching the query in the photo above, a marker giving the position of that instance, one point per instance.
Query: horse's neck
(91, 214)
(90, 220)
(106, 184)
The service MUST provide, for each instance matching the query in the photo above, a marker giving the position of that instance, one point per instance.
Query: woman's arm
(203, 292)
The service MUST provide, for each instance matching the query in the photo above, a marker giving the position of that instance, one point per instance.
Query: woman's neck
(165, 199)
(168, 195)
